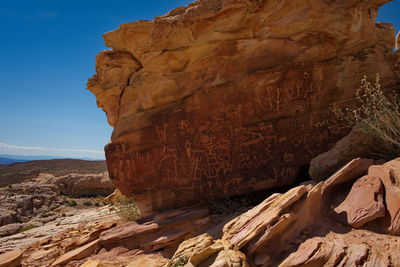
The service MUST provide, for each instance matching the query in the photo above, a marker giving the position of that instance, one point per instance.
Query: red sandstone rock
(11, 258)
(355, 144)
(389, 173)
(284, 221)
(297, 228)
(168, 229)
(224, 97)
(78, 253)
(364, 203)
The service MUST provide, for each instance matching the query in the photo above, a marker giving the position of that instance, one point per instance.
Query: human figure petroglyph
(168, 165)
(249, 109)
(254, 148)
(270, 99)
(231, 111)
(162, 135)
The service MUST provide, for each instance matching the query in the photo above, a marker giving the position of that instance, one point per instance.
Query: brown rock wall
(224, 97)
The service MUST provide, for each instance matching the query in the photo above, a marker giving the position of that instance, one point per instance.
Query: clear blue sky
(47, 53)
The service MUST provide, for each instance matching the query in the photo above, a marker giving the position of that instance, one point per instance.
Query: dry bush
(127, 209)
(377, 115)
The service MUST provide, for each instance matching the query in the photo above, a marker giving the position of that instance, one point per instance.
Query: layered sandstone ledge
(223, 97)
(351, 219)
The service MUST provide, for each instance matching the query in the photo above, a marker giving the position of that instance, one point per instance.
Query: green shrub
(227, 205)
(87, 203)
(26, 228)
(377, 115)
(180, 261)
(127, 209)
(72, 203)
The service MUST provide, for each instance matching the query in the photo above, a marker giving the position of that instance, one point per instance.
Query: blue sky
(47, 53)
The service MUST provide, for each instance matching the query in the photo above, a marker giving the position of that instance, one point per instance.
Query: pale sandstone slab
(11, 259)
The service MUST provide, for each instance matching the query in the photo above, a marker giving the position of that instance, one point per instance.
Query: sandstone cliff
(223, 97)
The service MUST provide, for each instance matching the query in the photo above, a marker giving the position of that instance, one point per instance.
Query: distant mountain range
(9, 159)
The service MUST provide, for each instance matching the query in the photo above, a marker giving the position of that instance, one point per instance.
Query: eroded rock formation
(223, 97)
(342, 221)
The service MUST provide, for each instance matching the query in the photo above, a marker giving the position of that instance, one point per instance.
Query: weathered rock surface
(304, 221)
(309, 225)
(21, 202)
(11, 259)
(389, 174)
(78, 253)
(43, 188)
(204, 251)
(365, 202)
(83, 185)
(165, 230)
(225, 96)
(355, 144)
(43, 245)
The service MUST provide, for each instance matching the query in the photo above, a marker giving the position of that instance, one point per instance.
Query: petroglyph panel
(256, 138)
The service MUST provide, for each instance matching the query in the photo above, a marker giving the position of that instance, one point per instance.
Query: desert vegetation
(127, 209)
(377, 115)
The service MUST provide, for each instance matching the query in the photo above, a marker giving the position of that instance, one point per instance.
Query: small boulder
(364, 203)
(9, 229)
(389, 173)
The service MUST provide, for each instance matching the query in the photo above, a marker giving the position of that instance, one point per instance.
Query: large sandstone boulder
(223, 97)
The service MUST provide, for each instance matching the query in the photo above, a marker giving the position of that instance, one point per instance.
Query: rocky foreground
(38, 193)
(351, 219)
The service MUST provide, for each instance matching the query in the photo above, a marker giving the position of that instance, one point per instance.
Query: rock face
(355, 144)
(79, 185)
(21, 202)
(223, 97)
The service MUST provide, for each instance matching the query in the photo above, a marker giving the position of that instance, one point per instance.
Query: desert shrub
(87, 203)
(72, 203)
(26, 228)
(227, 205)
(127, 209)
(378, 115)
(180, 261)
